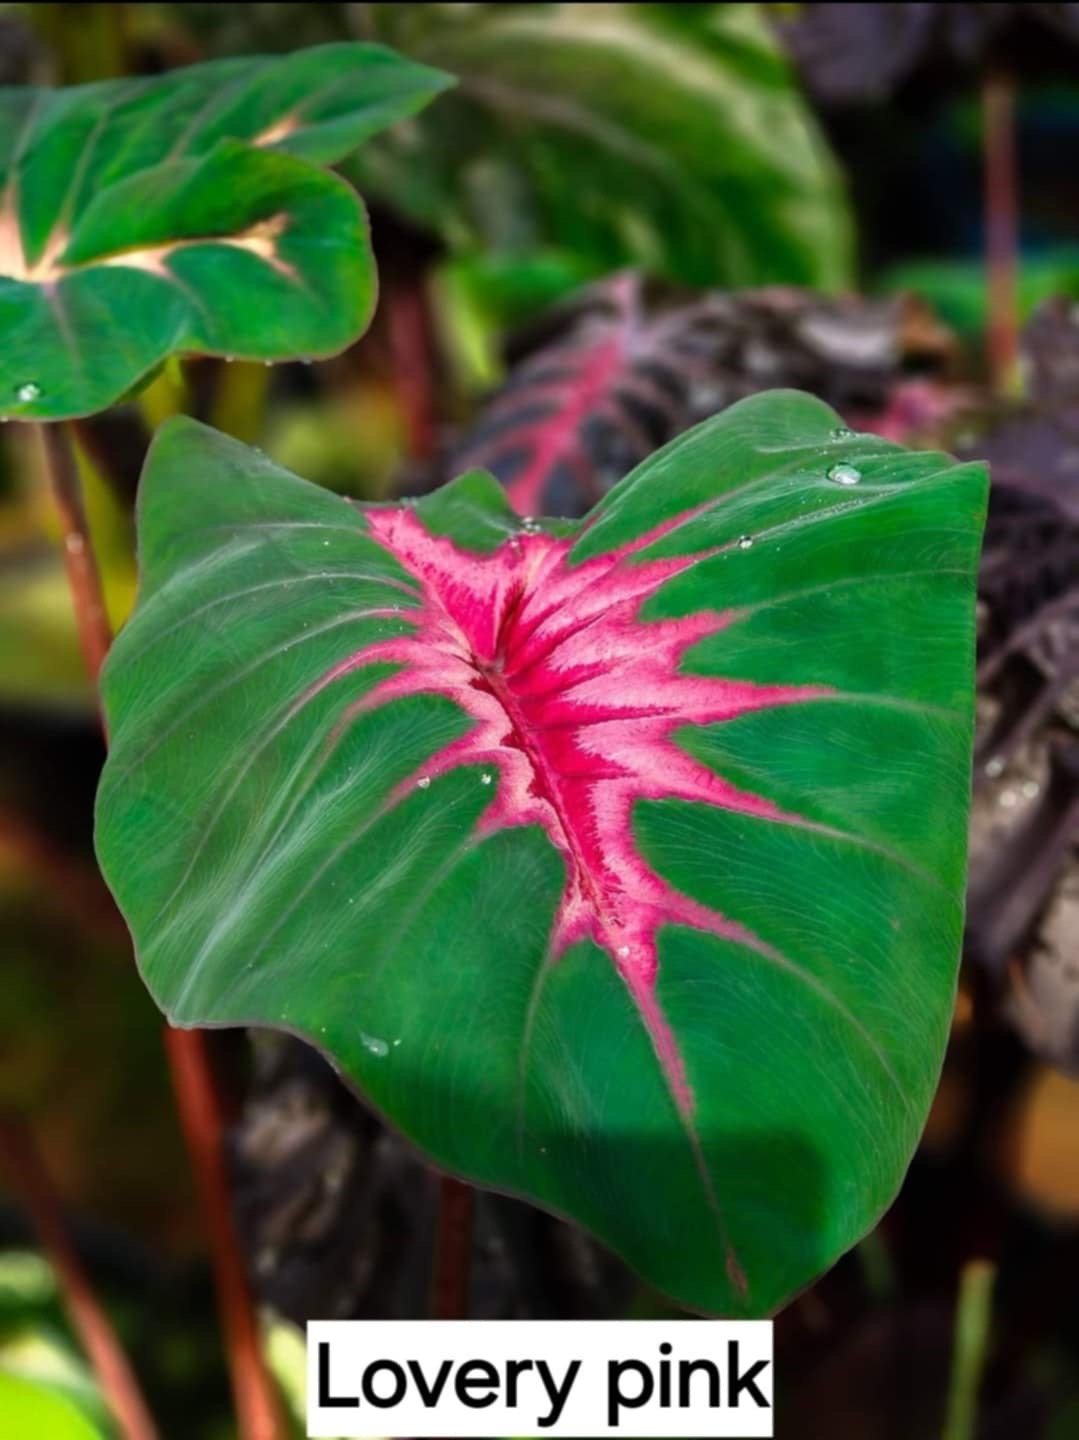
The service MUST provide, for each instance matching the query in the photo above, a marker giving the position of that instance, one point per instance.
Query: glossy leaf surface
(667, 136)
(140, 218)
(620, 863)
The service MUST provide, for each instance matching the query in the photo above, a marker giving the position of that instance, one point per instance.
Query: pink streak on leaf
(575, 701)
(580, 389)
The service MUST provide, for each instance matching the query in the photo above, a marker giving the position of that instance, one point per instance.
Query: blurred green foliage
(46, 1390)
(666, 136)
(956, 288)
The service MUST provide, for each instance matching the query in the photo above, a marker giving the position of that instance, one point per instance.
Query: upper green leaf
(621, 863)
(672, 137)
(140, 218)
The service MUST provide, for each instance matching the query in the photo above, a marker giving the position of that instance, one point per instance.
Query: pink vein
(575, 700)
(576, 397)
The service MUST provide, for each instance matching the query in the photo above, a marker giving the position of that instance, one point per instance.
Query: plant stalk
(1001, 229)
(969, 1351)
(115, 1376)
(410, 348)
(258, 1410)
(452, 1273)
(91, 617)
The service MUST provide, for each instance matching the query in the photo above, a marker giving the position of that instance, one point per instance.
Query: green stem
(972, 1321)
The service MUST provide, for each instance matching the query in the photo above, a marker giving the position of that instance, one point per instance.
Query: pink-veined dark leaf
(602, 382)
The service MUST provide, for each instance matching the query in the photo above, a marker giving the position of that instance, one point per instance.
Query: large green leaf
(139, 218)
(619, 862)
(667, 136)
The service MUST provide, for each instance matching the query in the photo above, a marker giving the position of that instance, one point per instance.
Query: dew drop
(485, 778)
(745, 542)
(843, 432)
(994, 767)
(623, 952)
(424, 781)
(28, 391)
(374, 1045)
(844, 475)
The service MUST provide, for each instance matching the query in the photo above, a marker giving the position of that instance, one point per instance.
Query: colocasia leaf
(619, 863)
(615, 380)
(141, 218)
(1021, 910)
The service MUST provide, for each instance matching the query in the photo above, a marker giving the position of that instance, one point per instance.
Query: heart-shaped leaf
(619, 863)
(139, 218)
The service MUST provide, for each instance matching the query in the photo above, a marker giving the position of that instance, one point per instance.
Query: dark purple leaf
(609, 379)
(1023, 910)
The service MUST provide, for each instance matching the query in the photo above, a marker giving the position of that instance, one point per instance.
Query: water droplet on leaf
(372, 1043)
(28, 391)
(423, 781)
(485, 779)
(745, 542)
(843, 432)
(844, 475)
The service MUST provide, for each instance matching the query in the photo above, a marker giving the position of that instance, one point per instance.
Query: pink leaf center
(575, 701)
